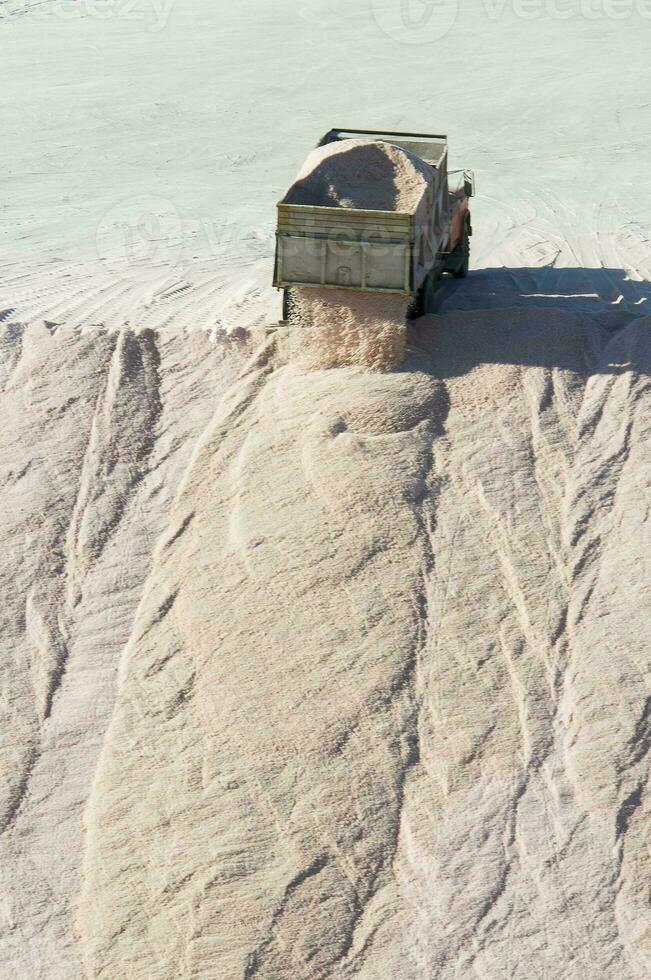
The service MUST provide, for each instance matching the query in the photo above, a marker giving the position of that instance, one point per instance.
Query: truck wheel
(462, 271)
(430, 292)
(415, 309)
(425, 301)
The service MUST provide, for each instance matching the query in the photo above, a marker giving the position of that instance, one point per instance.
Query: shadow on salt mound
(611, 296)
(459, 341)
(373, 176)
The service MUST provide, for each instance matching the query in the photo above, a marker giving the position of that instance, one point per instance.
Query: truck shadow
(583, 290)
(587, 321)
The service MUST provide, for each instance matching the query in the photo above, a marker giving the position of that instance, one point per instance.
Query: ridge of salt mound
(374, 176)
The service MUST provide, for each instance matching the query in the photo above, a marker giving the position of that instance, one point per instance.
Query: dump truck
(397, 252)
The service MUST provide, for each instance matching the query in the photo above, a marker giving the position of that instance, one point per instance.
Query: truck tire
(425, 301)
(430, 292)
(462, 271)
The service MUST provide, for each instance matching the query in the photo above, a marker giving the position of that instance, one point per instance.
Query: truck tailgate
(344, 248)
